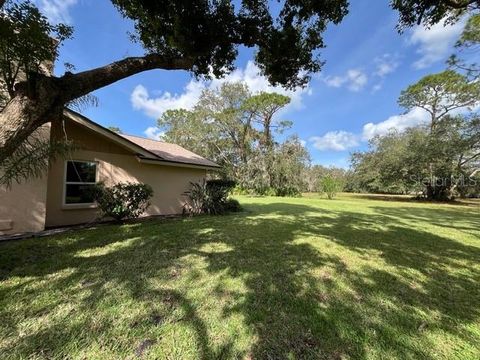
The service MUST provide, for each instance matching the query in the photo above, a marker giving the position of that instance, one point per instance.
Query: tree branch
(43, 99)
(470, 159)
(458, 4)
(474, 173)
(76, 85)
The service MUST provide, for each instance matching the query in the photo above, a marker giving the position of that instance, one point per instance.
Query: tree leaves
(28, 44)
(441, 93)
(468, 45)
(430, 12)
(238, 130)
(210, 32)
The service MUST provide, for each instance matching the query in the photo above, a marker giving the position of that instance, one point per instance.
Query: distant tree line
(438, 160)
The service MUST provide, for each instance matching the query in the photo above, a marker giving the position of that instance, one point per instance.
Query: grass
(306, 278)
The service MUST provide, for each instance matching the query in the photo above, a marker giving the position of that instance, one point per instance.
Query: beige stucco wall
(23, 206)
(115, 164)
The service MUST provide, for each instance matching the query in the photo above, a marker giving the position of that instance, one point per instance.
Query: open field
(306, 278)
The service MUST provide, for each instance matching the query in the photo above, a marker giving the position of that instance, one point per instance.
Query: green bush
(123, 200)
(219, 189)
(210, 197)
(232, 205)
(330, 186)
(239, 190)
(269, 192)
(288, 192)
(197, 196)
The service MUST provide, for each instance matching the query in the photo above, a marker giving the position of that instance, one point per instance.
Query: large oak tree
(198, 36)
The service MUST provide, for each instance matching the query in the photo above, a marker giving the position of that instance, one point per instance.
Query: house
(61, 198)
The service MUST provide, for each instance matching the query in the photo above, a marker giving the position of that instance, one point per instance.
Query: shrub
(269, 191)
(240, 190)
(123, 200)
(210, 197)
(288, 191)
(218, 191)
(197, 197)
(232, 205)
(330, 186)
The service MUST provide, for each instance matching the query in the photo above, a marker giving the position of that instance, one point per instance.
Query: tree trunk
(42, 98)
(32, 106)
(18, 121)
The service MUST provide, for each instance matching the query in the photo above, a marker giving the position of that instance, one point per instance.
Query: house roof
(147, 150)
(169, 152)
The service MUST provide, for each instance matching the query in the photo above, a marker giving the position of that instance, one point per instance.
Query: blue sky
(354, 97)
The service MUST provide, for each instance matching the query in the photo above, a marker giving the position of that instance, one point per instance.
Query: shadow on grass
(470, 217)
(413, 199)
(299, 301)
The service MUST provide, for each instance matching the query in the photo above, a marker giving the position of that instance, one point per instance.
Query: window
(80, 178)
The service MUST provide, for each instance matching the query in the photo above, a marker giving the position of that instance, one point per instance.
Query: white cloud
(155, 106)
(335, 81)
(154, 133)
(57, 11)
(386, 64)
(435, 43)
(357, 80)
(335, 140)
(354, 80)
(377, 87)
(414, 117)
(343, 140)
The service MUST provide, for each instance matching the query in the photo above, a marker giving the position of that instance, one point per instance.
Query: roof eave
(89, 124)
(143, 155)
(144, 160)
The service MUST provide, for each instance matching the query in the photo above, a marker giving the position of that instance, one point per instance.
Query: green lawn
(306, 278)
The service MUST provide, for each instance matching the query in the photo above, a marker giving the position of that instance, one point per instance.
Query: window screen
(79, 182)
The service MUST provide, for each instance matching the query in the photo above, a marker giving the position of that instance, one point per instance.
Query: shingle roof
(170, 152)
(145, 148)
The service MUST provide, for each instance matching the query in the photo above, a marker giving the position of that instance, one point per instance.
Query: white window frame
(65, 183)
